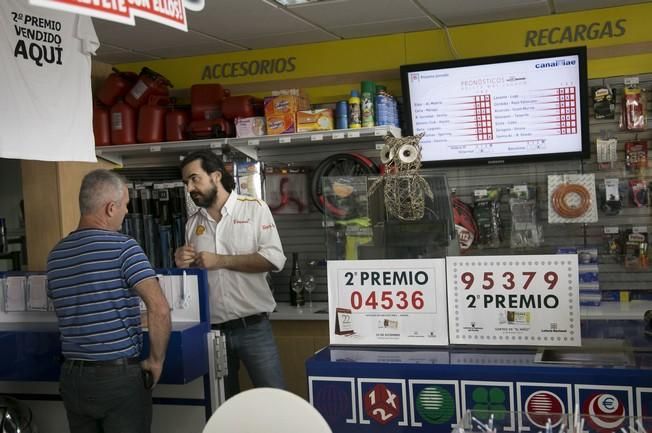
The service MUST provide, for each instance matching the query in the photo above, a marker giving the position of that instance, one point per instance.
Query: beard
(205, 199)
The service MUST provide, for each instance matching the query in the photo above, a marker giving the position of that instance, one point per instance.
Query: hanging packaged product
(636, 156)
(603, 102)
(486, 212)
(613, 241)
(610, 194)
(572, 199)
(526, 231)
(286, 190)
(634, 112)
(607, 152)
(636, 249)
(465, 226)
(639, 192)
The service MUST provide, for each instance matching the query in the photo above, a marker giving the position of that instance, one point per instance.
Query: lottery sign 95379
(515, 300)
(387, 302)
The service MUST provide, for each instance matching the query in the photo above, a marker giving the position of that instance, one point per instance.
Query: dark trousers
(255, 346)
(106, 399)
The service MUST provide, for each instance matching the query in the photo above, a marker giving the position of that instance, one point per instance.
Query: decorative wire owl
(405, 189)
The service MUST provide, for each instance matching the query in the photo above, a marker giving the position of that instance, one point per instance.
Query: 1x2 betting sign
(167, 12)
(515, 300)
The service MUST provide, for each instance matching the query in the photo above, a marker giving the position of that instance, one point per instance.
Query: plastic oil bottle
(354, 110)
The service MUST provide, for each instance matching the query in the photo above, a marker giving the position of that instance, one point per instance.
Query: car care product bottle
(354, 110)
(367, 103)
(342, 115)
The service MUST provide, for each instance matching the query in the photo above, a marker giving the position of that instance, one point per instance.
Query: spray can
(367, 103)
(381, 106)
(354, 110)
(342, 115)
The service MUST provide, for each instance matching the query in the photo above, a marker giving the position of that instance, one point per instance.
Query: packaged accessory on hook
(603, 102)
(613, 241)
(526, 232)
(639, 192)
(636, 156)
(636, 249)
(572, 199)
(465, 226)
(633, 116)
(486, 212)
(606, 152)
(611, 194)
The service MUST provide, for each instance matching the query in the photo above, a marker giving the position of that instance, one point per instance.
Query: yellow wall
(619, 42)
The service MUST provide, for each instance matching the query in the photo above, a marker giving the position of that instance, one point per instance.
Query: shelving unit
(258, 148)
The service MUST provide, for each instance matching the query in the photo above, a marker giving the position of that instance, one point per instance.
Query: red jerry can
(101, 124)
(115, 86)
(151, 120)
(206, 101)
(241, 106)
(149, 83)
(176, 124)
(123, 123)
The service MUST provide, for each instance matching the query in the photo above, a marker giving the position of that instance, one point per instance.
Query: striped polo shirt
(91, 274)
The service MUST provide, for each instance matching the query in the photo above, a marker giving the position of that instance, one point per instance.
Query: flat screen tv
(491, 110)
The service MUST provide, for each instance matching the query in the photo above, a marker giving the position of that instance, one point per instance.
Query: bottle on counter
(354, 110)
(3, 236)
(296, 283)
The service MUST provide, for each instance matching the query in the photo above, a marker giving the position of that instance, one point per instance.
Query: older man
(95, 278)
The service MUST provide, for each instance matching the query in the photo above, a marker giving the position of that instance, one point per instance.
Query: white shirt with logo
(247, 226)
(45, 83)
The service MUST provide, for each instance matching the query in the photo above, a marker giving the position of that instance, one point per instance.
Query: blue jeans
(106, 399)
(256, 348)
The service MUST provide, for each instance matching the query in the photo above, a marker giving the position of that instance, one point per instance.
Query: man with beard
(234, 237)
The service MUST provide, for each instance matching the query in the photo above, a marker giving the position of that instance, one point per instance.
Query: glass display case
(359, 225)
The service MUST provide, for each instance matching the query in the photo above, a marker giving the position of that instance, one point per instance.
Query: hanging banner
(167, 12)
(388, 302)
(514, 300)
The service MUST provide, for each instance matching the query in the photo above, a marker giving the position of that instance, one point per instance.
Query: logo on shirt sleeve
(268, 226)
(200, 230)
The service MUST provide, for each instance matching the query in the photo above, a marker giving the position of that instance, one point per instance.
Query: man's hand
(156, 368)
(206, 260)
(184, 256)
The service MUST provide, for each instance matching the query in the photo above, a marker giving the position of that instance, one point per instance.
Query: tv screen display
(519, 107)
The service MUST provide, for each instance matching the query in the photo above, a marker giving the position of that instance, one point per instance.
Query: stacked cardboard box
(281, 110)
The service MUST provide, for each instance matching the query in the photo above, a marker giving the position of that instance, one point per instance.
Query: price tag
(353, 134)
(390, 302)
(380, 146)
(284, 140)
(611, 230)
(515, 300)
(317, 137)
(255, 142)
(338, 135)
(639, 229)
(154, 148)
(378, 132)
(215, 145)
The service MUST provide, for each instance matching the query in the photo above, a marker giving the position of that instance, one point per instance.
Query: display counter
(32, 350)
(428, 389)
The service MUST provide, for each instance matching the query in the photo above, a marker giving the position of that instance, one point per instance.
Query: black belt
(241, 322)
(105, 363)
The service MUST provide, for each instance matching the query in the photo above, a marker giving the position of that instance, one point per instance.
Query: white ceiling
(236, 25)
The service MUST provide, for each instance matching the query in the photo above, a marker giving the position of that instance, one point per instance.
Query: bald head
(98, 188)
